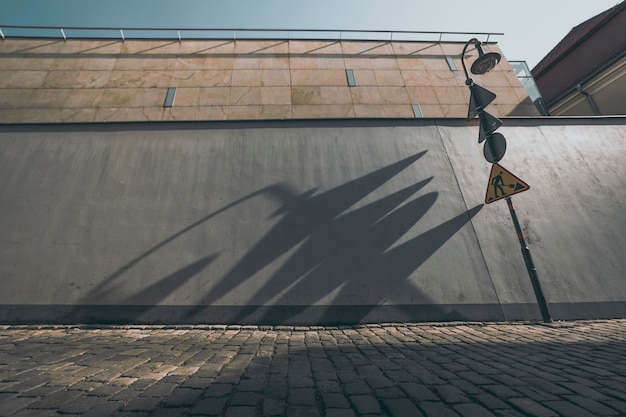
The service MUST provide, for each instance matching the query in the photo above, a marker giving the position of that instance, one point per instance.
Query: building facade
(291, 182)
(56, 81)
(585, 73)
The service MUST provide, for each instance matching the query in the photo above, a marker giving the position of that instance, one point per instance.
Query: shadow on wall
(338, 253)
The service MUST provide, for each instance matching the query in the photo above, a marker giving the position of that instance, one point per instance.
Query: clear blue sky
(531, 27)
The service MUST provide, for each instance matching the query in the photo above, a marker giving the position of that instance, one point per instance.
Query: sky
(531, 28)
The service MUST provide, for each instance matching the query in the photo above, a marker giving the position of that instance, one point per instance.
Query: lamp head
(485, 61)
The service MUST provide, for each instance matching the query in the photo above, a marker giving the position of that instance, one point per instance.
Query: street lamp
(495, 148)
(483, 64)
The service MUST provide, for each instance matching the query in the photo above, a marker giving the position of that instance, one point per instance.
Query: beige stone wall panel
(100, 64)
(365, 78)
(214, 47)
(26, 45)
(186, 96)
(417, 78)
(179, 113)
(260, 95)
(270, 47)
(394, 95)
(314, 47)
(212, 113)
(261, 78)
(189, 62)
(128, 114)
(25, 63)
(219, 62)
(388, 78)
(323, 112)
(436, 63)
(268, 112)
(39, 115)
(317, 62)
(12, 115)
(393, 110)
(452, 95)
(413, 63)
(422, 95)
(137, 79)
(454, 110)
(133, 97)
(135, 63)
(369, 110)
(321, 95)
(49, 98)
(416, 48)
(16, 98)
(444, 78)
(255, 62)
(81, 98)
(76, 115)
(207, 78)
(431, 110)
(22, 79)
(76, 79)
(493, 79)
(366, 95)
(504, 95)
(367, 48)
(372, 63)
(319, 77)
(214, 96)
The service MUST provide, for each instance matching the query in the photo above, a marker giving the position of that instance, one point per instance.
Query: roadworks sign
(502, 184)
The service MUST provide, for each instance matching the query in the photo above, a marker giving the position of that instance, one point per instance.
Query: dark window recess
(169, 97)
(350, 77)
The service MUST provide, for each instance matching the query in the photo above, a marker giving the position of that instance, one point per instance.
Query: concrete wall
(306, 222)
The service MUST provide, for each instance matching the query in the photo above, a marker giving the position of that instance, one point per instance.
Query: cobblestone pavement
(459, 369)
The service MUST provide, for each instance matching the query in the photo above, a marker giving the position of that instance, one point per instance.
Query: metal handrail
(177, 33)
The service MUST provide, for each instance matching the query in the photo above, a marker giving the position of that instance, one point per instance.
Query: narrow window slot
(350, 77)
(169, 97)
(417, 111)
(451, 63)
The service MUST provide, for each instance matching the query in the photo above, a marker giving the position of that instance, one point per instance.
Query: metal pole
(530, 266)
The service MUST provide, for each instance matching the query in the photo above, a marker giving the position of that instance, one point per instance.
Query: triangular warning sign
(503, 184)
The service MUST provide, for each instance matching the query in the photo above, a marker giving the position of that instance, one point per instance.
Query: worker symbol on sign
(497, 184)
(502, 184)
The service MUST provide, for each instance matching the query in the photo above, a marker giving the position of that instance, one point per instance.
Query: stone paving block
(568, 409)
(301, 396)
(273, 407)
(209, 406)
(356, 388)
(365, 404)
(583, 390)
(451, 394)
(532, 407)
(335, 400)
(401, 407)
(183, 397)
(295, 411)
(472, 410)
(218, 390)
(339, 412)
(11, 405)
(432, 409)
(593, 406)
(142, 404)
(245, 398)
(55, 400)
